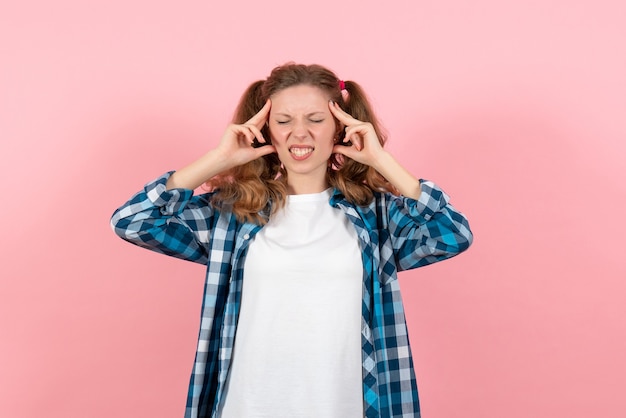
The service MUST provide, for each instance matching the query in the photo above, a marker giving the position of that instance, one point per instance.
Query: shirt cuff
(432, 200)
(170, 202)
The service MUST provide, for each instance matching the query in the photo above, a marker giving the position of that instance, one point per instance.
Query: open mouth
(301, 151)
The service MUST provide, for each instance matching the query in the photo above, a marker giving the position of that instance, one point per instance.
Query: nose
(299, 129)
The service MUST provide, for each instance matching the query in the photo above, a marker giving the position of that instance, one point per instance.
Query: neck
(305, 184)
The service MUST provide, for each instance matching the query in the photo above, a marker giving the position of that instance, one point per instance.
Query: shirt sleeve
(172, 222)
(426, 230)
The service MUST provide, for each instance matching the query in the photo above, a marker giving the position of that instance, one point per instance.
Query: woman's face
(303, 130)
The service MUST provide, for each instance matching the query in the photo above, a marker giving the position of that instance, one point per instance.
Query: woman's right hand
(243, 143)
(237, 147)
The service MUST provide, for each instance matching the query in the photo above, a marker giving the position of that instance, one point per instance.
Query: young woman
(307, 223)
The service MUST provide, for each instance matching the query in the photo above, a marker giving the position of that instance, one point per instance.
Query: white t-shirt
(297, 350)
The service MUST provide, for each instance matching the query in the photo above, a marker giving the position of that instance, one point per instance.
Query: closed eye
(284, 122)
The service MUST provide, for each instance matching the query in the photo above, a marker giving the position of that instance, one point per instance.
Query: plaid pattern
(395, 234)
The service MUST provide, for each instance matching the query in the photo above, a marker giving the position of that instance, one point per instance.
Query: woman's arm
(165, 216)
(407, 184)
(172, 222)
(426, 230)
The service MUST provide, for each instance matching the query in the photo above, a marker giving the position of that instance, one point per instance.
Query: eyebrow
(308, 114)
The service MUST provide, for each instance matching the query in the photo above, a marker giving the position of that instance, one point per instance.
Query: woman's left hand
(365, 146)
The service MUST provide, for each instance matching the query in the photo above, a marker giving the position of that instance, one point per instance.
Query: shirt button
(247, 236)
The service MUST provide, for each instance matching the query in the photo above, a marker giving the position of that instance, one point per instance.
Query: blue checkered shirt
(395, 234)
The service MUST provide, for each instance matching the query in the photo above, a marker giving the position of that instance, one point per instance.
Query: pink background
(516, 108)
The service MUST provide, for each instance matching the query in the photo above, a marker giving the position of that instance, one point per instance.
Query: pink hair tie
(342, 85)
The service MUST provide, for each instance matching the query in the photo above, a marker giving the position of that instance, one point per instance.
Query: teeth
(301, 152)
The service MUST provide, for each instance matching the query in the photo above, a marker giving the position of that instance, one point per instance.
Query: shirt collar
(336, 197)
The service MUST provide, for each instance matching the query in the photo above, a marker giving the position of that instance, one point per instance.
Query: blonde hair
(248, 189)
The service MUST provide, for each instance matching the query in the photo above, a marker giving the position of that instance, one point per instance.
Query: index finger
(340, 114)
(260, 118)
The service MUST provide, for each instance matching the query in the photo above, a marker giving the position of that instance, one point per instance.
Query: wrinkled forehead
(300, 99)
